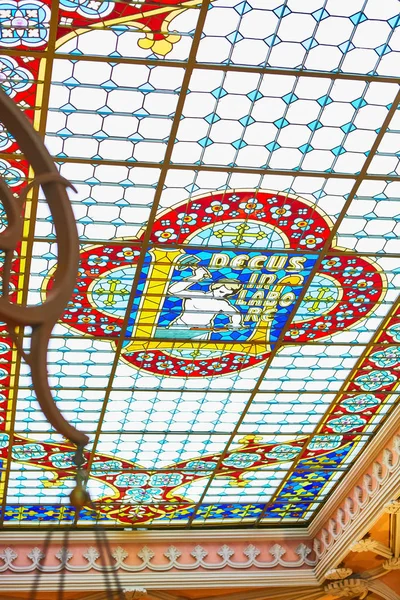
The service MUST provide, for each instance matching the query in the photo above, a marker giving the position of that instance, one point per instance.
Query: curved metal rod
(41, 318)
(11, 236)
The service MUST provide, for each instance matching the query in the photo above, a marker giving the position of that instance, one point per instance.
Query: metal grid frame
(50, 55)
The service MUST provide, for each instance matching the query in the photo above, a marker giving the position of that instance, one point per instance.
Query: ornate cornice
(150, 560)
(338, 574)
(158, 565)
(228, 557)
(157, 553)
(349, 588)
(368, 544)
(171, 580)
(149, 536)
(393, 507)
(383, 439)
(376, 487)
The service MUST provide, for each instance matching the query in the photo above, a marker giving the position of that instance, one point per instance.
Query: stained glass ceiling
(232, 344)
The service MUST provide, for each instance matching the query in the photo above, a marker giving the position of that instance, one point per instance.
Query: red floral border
(360, 294)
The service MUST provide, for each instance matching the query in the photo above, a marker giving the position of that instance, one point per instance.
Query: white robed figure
(200, 308)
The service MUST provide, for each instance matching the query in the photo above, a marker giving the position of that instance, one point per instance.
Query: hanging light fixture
(42, 318)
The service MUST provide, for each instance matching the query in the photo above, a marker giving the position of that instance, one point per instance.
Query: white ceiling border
(194, 580)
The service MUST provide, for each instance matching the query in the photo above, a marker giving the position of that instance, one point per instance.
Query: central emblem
(219, 282)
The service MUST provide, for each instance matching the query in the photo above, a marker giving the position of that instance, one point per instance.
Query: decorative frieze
(366, 495)
(91, 559)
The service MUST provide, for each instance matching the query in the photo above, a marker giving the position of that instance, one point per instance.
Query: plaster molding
(379, 484)
(382, 590)
(338, 574)
(368, 544)
(393, 507)
(147, 536)
(89, 560)
(382, 439)
(349, 588)
(172, 580)
(393, 564)
(373, 494)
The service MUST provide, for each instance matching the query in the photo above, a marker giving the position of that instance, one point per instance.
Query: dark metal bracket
(43, 317)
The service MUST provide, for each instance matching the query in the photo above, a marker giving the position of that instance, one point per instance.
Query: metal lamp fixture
(42, 318)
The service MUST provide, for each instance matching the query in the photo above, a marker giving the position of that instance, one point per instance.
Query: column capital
(393, 507)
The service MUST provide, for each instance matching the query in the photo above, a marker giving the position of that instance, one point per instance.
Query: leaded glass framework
(232, 344)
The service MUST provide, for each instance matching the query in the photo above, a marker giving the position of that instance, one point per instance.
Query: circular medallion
(220, 279)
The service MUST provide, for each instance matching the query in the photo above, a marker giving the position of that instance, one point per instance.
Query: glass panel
(232, 342)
